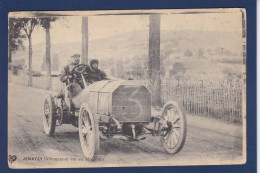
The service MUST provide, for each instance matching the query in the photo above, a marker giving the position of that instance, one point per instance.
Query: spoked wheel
(88, 132)
(49, 120)
(174, 137)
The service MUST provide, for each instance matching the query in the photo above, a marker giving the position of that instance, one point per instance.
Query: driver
(67, 77)
(66, 73)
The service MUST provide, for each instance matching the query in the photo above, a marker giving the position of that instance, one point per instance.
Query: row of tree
(17, 25)
(20, 28)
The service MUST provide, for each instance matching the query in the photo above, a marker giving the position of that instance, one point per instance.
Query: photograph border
(7, 6)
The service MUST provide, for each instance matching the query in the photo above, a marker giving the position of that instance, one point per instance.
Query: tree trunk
(48, 58)
(154, 59)
(9, 55)
(30, 62)
(84, 57)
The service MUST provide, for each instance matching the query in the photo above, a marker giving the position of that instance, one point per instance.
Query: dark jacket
(95, 75)
(67, 71)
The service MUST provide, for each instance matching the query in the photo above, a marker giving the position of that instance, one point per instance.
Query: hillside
(199, 51)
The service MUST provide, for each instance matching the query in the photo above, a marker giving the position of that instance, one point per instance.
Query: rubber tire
(183, 133)
(90, 155)
(50, 129)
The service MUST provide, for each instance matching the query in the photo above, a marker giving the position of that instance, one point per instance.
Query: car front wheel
(174, 137)
(49, 120)
(88, 132)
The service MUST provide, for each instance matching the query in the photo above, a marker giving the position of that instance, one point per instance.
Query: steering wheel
(79, 69)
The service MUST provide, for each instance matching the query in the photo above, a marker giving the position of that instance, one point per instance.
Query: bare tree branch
(25, 29)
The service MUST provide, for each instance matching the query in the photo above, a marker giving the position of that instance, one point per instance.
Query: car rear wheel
(174, 137)
(88, 132)
(49, 120)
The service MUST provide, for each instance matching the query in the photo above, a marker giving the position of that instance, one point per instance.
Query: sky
(69, 30)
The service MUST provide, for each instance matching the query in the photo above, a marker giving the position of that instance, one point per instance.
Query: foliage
(188, 53)
(166, 54)
(232, 76)
(16, 66)
(209, 51)
(120, 69)
(35, 73)
(139, 68)
(178, 70)
(164, 58)
(15, 36)
(201, 52)
(45, 22)
(28, 25)
(222, 51)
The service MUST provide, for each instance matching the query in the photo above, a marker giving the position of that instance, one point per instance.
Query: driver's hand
(69, 76)
(74, 75)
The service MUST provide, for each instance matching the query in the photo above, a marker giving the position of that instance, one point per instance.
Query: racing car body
(124, 100)
(114, 109)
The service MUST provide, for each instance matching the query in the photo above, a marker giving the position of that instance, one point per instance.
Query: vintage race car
(114, 109)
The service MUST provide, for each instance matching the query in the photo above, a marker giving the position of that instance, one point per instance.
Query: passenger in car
(94, 73)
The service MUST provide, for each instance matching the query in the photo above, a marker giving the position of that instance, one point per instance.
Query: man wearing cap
(66, 75)
(95, 74)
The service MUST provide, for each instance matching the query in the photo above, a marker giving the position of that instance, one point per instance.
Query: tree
(232, 76)
(201, 53)
(178, 70)
(120, 68)
(209, 51)
(154, 59)
(45, 22)
(188, 53)
(15, 37)
(84, 30)
(139, 68)
(55, 63)
(28, 25)
(43, 63)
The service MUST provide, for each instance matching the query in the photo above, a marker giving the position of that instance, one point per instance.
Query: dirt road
(208, 141)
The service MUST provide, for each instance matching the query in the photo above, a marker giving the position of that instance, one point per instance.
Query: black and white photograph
(126, 88)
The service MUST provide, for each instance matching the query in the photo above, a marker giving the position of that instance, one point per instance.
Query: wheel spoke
(176, 112)
(177, 133)
(172, 139)
(174, 117)
(169, 140)
(176, 126)
(165, 116)
(46, 109)
(84, 131)
(171, 117)
(87, 131)
(166, 138)
(47, 120)
(47, 113)
(175, 139)
(89, 136)
(176, 120)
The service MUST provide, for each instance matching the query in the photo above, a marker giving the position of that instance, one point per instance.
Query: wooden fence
(222, 102)
(214, 100)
